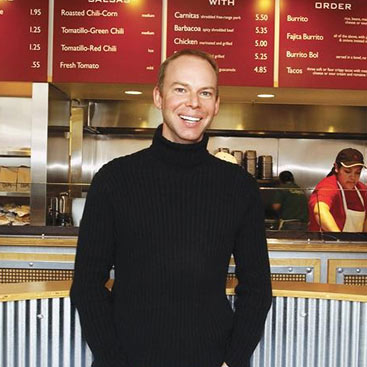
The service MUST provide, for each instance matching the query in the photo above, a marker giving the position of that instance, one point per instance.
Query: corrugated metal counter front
(308, 325)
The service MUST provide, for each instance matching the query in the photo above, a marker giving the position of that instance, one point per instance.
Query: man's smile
(190, 119)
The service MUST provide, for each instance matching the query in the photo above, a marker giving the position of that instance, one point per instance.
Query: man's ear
(157, 98)
(335, 167)
(217, 103)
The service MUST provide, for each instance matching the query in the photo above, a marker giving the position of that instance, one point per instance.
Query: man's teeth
(189, 118)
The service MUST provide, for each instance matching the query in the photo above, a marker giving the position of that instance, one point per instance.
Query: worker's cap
(350, 157)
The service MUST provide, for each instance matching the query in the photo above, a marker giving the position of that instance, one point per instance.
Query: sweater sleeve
(94, 259)
(253, 291)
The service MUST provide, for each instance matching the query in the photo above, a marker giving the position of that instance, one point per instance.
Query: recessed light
(266, 95)
(133, 92)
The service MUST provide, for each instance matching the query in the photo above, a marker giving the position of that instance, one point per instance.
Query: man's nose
(193, 100)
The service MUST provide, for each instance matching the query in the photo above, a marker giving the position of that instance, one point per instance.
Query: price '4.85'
(260, 69)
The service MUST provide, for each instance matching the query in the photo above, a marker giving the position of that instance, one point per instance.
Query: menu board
(23, 41)
(111, 41)
(323, 44)
(238, 34)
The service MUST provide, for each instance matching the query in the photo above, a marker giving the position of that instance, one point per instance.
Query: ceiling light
(266, 95)
(133, 92)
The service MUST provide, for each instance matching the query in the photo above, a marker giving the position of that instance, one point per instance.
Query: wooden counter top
(59, 289)
(317, 247)
(273, 245)
(38, 241)
(34, 290)
(312, 290)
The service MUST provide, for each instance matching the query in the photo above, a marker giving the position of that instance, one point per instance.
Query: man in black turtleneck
(168, 219)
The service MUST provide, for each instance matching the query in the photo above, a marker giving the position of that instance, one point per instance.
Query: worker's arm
(324, 218)
(276, 206)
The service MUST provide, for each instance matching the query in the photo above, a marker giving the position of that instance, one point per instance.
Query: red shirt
(327, 191)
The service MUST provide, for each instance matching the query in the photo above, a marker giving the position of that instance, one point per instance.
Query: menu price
(24, 29)
(111, 41)
(238, 34)
(323, 44)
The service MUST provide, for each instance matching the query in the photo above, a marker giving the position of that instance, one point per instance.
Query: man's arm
(253, 273)
(324, 218)
(94, 259)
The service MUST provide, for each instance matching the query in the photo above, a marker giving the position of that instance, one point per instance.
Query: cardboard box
(8, 179)
(24, 179)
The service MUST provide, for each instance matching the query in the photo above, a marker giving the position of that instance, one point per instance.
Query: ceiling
(100, 91)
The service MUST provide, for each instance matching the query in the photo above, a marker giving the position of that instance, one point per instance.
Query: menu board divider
(276, 43)
(50, 39)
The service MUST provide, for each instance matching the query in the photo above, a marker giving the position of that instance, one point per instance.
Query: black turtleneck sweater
(168, 218)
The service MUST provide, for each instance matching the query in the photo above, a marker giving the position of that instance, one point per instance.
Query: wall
(15, 123)
(309, 159)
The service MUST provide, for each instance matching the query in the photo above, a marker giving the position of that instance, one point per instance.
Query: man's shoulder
(233, 177)
(231, 170)
(120, 166)
(124, 161)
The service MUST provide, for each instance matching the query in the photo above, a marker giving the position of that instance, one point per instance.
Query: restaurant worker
(290, 202)
(339, 201)
(168, 219)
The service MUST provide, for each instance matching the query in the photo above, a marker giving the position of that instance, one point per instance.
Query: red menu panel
(239, 34)
(107, 41)
(23, 41)
(323, 44)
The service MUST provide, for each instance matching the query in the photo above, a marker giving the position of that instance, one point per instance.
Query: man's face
(188, 99)
(348, 177)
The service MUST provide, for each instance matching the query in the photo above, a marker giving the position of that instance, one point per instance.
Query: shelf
(15, 194)
(14, 152)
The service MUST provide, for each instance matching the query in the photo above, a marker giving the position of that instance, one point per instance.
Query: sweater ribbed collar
(184, 155)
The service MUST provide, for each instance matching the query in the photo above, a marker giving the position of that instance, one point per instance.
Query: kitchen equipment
(77, 208)
(238, 154)
(250, 162)
(222, 149)
(271, 224)
(53, 211)
(265, 167)
(64, 209)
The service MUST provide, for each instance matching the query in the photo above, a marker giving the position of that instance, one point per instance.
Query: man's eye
(180, 90)
(206, 93)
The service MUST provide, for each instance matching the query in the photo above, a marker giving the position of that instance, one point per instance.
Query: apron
(354, 219)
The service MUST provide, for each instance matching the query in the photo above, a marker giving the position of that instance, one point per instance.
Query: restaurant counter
(47, 253)
(307, 325)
